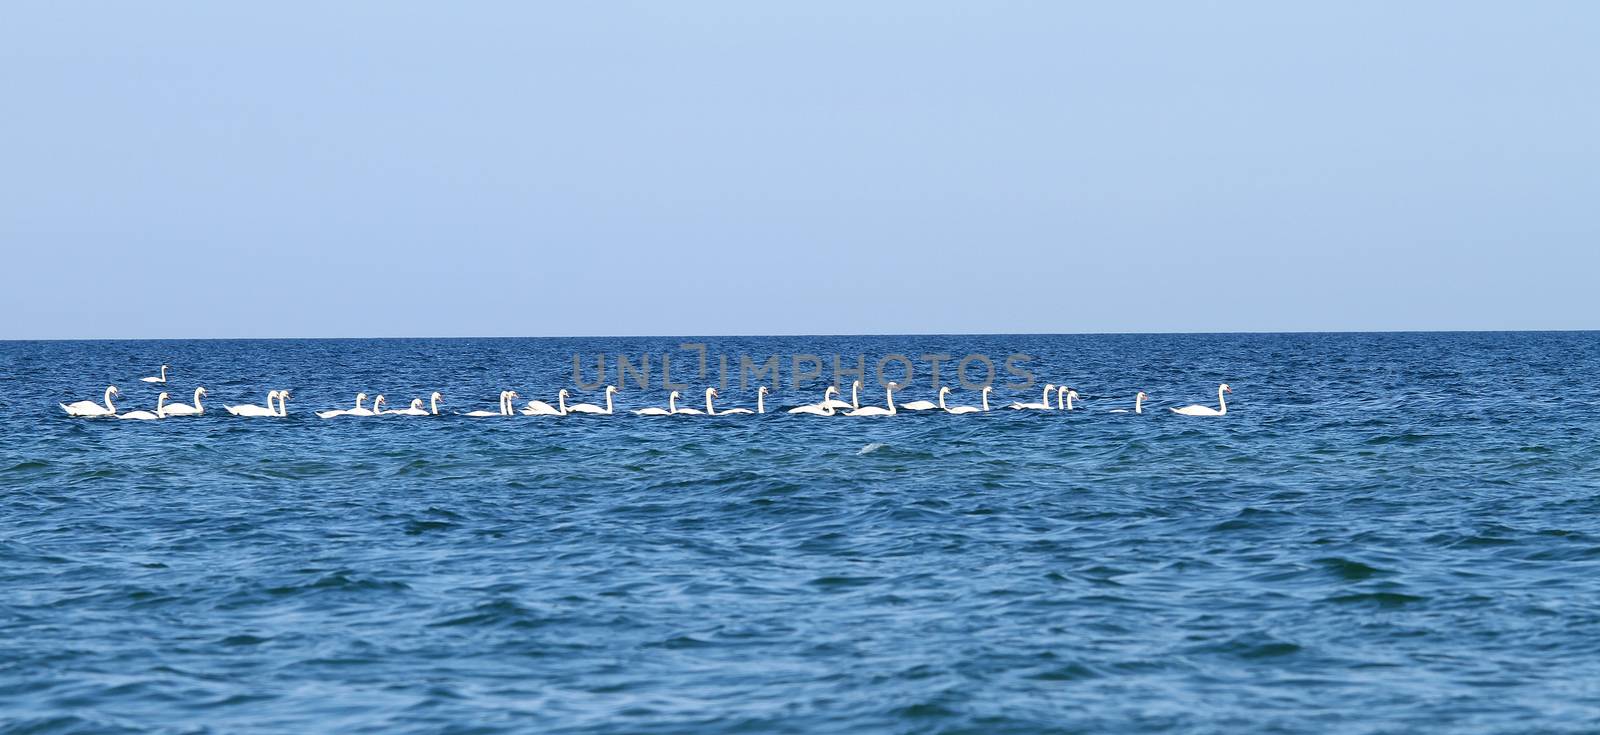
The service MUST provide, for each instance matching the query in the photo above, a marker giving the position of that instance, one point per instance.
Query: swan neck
(561, 398)
(109, 406)
(986, 401)
(1222, 403)
(197, 399)
(433, 404)
(709, 410)
(855, 401)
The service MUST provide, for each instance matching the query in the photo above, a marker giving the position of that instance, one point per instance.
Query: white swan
(761, 404)
(251, 409)
(377, 405)
(1195, 409)
(591, 408)
(1064, 392)
(825, 408)
(888, 393)
(161, 411)
(157, 379)
(966, 409)
(1138, 404)
(672, 407)
(433, 403)
(503, 410)
(855, 400)
(697, 412)
(540, 408)
(925, 405)
(180, 409)
(1043, 404)
(415, 409)
(90, 408)
(346, 411)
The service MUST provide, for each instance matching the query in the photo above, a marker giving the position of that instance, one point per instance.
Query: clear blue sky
(372, 169)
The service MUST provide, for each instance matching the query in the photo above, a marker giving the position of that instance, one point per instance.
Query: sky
(193, 170)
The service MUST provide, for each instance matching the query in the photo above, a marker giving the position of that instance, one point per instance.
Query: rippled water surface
(1387, 533)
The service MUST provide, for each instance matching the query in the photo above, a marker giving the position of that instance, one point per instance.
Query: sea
(1385, 533)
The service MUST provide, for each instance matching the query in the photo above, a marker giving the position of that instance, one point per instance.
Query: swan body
(672, 407)
(697, 412)
(1138, 404)
(1067, 394)
(344, 411)
(966, 409)
(359, 411)
(503, 410)
(1042, 405)
(161, 411)
(415, 409)
(180, 409)
(540, 408)
(90, 408)
(926, 405)
(162, 378)
(877, 410)
(254, 410)
(1195, 409)
(761, 404)
(825, 408)
(591, 408)
(855, 401)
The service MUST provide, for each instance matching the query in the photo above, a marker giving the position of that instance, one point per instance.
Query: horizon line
(798, 334)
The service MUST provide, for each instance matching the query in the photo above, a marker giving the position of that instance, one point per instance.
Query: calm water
(1387, 533)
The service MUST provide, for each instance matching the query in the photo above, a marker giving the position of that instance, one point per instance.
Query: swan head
(378, 400)
(201, 392)
(988, 389)
(416, 403)
(113, 390)
(944, 390)
(856, 384)
(761, 391)
(1072, 393)
(832, 390)
(712, 393)
(673, 394)
(1142, 395)
(611, 389)
(163, 396)
(512, 394)
(562, 393)
(1226, 389)
(361, 397)
(283, 395)
(437, 396)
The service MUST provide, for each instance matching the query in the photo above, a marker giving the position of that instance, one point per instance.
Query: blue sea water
(1388, 533)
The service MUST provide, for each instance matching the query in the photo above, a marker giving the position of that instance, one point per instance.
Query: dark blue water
(1387, 533)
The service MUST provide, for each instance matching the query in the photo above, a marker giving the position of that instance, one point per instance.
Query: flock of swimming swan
(277, 405)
